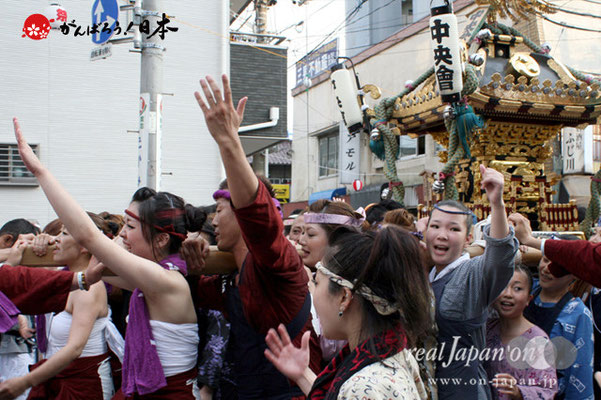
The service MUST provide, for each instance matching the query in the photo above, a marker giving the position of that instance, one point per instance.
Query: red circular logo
(36, 27)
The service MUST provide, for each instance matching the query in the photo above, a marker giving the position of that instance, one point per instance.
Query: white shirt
(448, 268)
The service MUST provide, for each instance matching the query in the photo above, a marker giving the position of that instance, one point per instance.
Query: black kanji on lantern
(445, 77)
(439, 31)
(442, 53)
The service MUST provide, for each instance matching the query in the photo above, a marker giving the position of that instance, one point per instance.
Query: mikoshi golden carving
(523, 64)
(525, 98)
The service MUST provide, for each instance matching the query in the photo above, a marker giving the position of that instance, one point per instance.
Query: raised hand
(287, 358)
(521, 225)
(94, 271)
(40, 244)
(194, 250)
(31, 161)
(222, 119)
(16, 252)
(492, 182)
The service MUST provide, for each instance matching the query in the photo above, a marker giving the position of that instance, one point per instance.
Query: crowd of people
(336, 303)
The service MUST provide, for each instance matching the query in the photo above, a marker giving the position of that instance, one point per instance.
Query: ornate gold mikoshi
(522, 64)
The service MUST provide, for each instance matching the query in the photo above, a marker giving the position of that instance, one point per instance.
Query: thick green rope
(383, 111)
(456, 152)
(593, 210)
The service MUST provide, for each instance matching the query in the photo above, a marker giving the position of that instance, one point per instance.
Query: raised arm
(137, 271)
(223, 121)
(523, 231)
(497, 260)
(493, 182)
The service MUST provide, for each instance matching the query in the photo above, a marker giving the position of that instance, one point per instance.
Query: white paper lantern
(346, 92)
(56, 14)
(445, 47)
(357, 185)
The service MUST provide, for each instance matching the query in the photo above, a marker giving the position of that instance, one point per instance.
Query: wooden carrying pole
(217, 262)
(223, 263)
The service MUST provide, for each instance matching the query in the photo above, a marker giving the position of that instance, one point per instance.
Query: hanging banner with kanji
(447, 57)
(350, 145)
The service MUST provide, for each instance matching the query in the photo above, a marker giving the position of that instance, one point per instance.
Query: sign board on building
(101, 52)
(350, 147)
(105, 13)
(577, 150)
(282, 192)
(316, 62)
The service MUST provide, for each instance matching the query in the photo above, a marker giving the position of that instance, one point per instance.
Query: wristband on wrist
(542, 246)
(81, 281)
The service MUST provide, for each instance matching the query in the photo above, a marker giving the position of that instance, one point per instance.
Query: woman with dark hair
(161, 342)
(371, 290)
(321, 219)
(76, 363)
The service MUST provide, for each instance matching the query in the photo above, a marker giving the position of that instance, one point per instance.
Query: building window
(328, 155)
(412, 147)
(12, 168)
(597, 146)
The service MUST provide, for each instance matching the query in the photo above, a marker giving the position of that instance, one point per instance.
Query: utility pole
(151, 87)
(261, 7)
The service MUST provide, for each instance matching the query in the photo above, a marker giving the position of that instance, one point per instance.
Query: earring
(340, 313)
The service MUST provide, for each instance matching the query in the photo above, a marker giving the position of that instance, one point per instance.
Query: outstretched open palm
(222, 119)
(31, 161)
(286, 357)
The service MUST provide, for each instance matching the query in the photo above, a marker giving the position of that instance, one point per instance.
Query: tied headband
(474, 218)
(382, 306)
(169, 229)
(222, 194)
(322, 218)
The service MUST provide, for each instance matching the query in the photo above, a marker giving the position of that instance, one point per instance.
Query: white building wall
(389, 70)
(79, 111)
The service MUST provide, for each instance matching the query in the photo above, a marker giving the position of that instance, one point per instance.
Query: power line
(582, 14)
(348, 17)
(565, 25)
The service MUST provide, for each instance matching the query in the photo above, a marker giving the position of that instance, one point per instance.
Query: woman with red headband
(161, 340)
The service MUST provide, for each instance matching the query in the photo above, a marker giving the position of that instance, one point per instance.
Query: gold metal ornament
(523, 64)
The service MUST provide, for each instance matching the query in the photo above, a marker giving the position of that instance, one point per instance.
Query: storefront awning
(327, 194)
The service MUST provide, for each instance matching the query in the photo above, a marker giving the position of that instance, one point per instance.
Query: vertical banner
(447, 56)
(143, 140)
(350, 146)
(576, 145)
